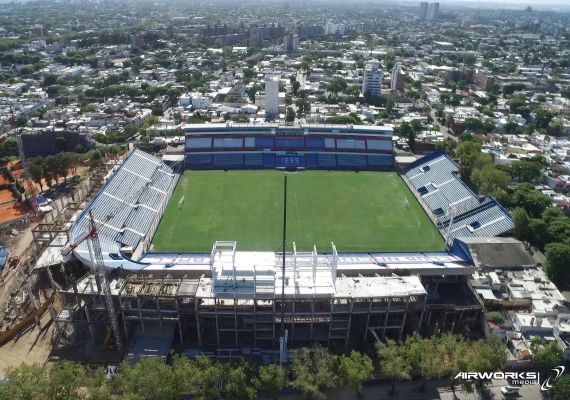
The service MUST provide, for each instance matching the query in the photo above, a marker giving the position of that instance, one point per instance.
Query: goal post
(181, 202)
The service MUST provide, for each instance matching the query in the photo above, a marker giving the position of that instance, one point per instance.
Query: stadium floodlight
(452, 212)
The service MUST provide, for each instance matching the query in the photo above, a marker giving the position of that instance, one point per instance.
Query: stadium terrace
(227, 295)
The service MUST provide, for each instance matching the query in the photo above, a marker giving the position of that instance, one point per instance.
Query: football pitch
(358, 211)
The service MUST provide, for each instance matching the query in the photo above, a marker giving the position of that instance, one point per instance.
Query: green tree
(341, 119)
(355, 369)
(295, 86)
(35, 168)
(273, 379)
(532, 200)
(522, 224)
(393, 362)
(495, 317)
(337, 85)
(314, 371)
(559, 229)
(95, 157)
(546, 355)
(557, 256)
(490, 179)
(66, 379)
(241, 383)
(290, 115)
(26, 382)
(561, 388)
(149, 379)
(525, 171)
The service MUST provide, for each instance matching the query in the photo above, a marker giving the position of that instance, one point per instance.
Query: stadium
(194, 252)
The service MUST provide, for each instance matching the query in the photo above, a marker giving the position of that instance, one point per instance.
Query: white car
(509, 391)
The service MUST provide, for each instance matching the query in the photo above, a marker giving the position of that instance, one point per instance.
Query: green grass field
(359, 212)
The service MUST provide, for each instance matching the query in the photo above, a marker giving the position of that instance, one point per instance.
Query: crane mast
(96, 257)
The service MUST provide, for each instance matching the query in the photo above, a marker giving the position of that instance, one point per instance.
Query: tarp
(3, 256)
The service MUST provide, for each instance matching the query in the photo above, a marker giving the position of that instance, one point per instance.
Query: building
(483, 79)
(255, 36)
(271, 97)
(334, 29)
(372, 83)
(422, 14)
(291, 43)
(433, 11)
(397, 79)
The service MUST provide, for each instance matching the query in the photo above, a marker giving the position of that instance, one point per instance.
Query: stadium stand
(240, 146)
(128, 208)
(434, 181)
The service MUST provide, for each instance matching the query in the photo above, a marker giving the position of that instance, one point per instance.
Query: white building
(271, 97)
(372, 79)
(397, 78)
(331, 28)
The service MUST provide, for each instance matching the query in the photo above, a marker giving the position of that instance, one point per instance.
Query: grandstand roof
(452, 202)
(297, 127)
(125, 209)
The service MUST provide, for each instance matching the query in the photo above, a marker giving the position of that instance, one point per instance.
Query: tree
(341, 119)
(495, 317)
(314, 371)
(35, 168)
(393, 362)
(525, 171)
(561, 388)
(211, 375)
(557, 256)
(538, 233)
(27, 382)
(290, 115)
(490, 179)
(389, 103)
(173, 95)
(273, 379)
(559, 229)
(547, 355)
(532, 200)
(542, 118)
(95, 157)
(355, 369)
(337, 85)
(295, 86)
(240, 382)
(51, 169)
(65, 381)
(150, 378)
(522, 224)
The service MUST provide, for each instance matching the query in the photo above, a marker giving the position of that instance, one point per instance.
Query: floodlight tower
(451, 211)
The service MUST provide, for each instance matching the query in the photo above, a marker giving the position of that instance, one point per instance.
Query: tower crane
(96, 257)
